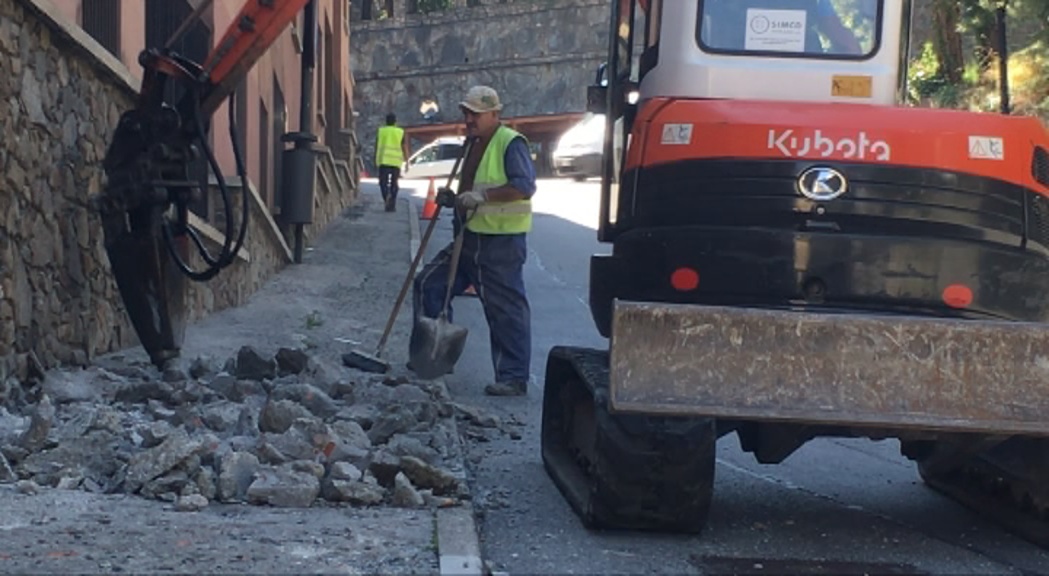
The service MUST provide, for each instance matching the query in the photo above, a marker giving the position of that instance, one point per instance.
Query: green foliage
(979, 85)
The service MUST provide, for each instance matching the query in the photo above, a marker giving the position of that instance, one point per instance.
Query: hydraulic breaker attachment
(144, 206)
(885, 371)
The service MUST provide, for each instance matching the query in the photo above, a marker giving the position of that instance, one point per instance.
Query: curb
(414, 236)
(458, 547)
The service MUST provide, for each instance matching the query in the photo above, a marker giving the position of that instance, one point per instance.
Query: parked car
(436, 159)
(578, 151)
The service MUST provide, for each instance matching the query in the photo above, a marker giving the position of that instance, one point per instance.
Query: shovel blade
(435, 346)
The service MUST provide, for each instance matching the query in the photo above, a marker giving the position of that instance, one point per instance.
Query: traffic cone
(470, 291)
(430, 207)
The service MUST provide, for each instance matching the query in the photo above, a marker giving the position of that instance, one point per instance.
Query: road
(835, 506)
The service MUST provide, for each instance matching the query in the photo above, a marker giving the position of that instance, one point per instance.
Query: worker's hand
(470, 200)
(445, 198)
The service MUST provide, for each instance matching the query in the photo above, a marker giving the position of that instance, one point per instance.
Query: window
(830, 29)
(101, 19)
(449, 151)
(427, 155)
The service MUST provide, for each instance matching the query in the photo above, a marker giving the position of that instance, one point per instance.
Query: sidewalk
(264, 454)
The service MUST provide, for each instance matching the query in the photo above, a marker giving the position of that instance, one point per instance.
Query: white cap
(481, 99)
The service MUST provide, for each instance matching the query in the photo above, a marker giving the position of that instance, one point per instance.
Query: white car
(578, 152)
(436, 159)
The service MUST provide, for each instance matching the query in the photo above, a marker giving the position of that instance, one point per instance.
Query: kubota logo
(861, 147)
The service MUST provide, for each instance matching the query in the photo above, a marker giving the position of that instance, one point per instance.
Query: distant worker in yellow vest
(391, 149)
(494, 204)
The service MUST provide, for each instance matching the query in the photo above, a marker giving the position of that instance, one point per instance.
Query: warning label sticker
(986, 148)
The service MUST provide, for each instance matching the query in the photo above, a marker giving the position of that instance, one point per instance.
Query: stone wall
(60, 97)
(540, 57)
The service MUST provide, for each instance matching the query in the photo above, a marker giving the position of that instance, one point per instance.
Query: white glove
(470, 200)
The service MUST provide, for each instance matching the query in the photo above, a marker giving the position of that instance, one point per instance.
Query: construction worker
(494, 205)
(391, 148)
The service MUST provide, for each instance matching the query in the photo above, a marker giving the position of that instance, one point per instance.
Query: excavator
(149, 187)
(797, 253)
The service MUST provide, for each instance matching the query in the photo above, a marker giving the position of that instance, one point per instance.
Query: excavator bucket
(791, 366)
(152, 287)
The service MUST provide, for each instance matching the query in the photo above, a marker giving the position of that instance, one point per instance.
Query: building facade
(268, 100)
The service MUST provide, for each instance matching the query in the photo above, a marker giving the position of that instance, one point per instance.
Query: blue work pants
(494, 265)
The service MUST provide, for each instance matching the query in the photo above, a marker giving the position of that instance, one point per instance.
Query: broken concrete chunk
(142, 391)
(153, 434)
(65, 387)
(341, 390)
(284, 488)
(203, 366)
(385, 467)
(404, 494)
(221, 416)
(405, 445)
(424, 475)
(291, 361)
(173, 375)
(352, 434)
(191, 503)
(6, 473)
(345, 471)
(277, 416)
(27, 487)
(166, 486)
(310, 397)
(309, 467)
(206, 482)
(154, 462)
(358, 493)
(270, 454)
(477, 416)
(394, 421)
(35, 437)
(236, 473)
(87, 418)
(253, 366)
(363, 414)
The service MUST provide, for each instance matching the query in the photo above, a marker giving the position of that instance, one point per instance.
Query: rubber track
(651, 473)
(992, 493)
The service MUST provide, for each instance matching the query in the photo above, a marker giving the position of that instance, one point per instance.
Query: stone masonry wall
(60, 97)
(539, 56)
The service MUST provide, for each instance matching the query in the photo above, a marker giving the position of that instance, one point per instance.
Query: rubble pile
(285, 430)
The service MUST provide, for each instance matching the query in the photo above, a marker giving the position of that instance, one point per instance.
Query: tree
(947, 40)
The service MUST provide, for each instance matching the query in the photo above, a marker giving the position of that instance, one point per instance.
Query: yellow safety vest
(388, 150)
(498, 217)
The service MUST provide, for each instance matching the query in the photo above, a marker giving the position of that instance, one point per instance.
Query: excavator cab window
(837, 29)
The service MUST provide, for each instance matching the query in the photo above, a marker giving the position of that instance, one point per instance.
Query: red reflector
(684, 279)
(957, 296)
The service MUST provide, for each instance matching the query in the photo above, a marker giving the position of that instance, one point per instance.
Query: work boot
(515, 388)
(391, 205)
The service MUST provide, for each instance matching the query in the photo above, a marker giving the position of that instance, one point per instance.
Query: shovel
(436, 344)
(374, 362)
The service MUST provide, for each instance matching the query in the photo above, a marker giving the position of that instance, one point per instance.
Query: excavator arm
(144, 206)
